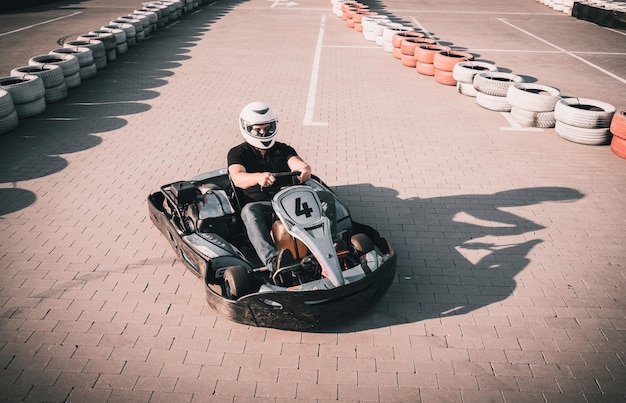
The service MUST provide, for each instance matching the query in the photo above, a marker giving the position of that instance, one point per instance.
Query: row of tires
(47, 78)
(580, 120)
(566, 6)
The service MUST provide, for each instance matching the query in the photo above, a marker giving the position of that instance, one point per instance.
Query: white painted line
(516, 127)
(40, 23)
(575, 56)
(315, 71)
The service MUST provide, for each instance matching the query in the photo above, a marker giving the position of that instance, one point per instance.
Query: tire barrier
(28, 94)
(52, 77)
(529, 104)
(584, 121)
(533, 104)
(48, 78)
(8, 116)
(618, 129)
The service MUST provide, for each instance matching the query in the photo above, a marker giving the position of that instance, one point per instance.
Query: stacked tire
(444, 62)
(28, 94)
(618, 129)
(52, 77)
(464, 73)
(399, 37)
(87, 66)
(68, 64)
(8, 116)
(370, 22)
(407, 50)
(533, 104)
(97, 49)
(121, 44)
(424, 57)
(492, 87)
(584, 121)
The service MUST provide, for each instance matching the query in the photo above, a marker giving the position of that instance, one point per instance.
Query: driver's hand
(266, 179)
(305, 173)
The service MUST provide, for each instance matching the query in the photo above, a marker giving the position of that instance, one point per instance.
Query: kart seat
(284, 240)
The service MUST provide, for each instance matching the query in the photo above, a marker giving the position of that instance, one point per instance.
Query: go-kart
(330, 279)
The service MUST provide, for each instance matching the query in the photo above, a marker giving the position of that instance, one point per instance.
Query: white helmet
(258, 113)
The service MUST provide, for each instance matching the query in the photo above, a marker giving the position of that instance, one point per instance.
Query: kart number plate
(301, 206)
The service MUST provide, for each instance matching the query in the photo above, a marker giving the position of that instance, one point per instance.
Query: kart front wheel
(237, 282)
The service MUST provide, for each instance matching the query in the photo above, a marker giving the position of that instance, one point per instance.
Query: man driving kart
(251, 166)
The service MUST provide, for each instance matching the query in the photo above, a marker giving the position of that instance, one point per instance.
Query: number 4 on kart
(303, 208)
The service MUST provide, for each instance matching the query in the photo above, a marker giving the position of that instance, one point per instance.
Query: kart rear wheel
(237, 282)
(362, 243)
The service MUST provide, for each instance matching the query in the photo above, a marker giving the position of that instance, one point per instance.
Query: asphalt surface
(510, 278)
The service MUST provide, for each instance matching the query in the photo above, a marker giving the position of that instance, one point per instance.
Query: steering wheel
(286, 174)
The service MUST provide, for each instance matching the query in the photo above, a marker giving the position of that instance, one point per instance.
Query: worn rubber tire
(464, 72)
(425, 69)
(398, 37)
(84, 55)
(408, 60)
(466, 89)
(425, 53)
(237, 282)
(444, 77)
(492, 102)
(533, 97)
(56, 94)
(30, 109)
(6, 103)
(618, 146)
(445, 60)
(582, 135)
(9, 122)
(96, 46)
(495, 83)
(584, 113)
(408, 45)
(51, 74)
(533, 119)
(24, 89)
(118, 33)
(362, 243)
(618, 124)
(67, 62)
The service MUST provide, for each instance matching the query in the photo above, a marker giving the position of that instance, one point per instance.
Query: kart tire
(618, 146)
(533, 97)
(464, 72)
(445, 60)
(425, 53)
(618, 124)
(495, 83)
(492, 102)
(584, 113)
(237, 282)
(362, 243)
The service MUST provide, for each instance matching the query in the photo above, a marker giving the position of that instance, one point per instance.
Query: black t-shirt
(274, 160)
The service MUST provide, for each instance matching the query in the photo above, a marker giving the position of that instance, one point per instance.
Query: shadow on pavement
(456, 253)
(35, 148)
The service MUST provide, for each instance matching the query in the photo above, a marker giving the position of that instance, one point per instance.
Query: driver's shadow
(456, 253)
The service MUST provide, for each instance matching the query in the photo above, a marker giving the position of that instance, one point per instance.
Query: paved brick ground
(510, 282)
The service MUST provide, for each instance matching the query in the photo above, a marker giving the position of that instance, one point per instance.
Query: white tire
(466, 89)
(24, 89)
(51, 74)
(67, 62)
(533, 97)
(495, 83)
(84, 55)
(30, 109)
(584, 113)
(118, 33)
(73, 80)
(464, 72)
(492, 102)
(6, 103)
(533, 119)
(581, 135)
(87, 72)
(9, 122)
(56, 94)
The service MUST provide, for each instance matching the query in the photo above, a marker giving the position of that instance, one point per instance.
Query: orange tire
(618, 124)
(426, 69)
(408, 45)
(350, 23)
(396, 53)
(446, 59)
(426, 52)
(618, 146)
(444, 77)
(408, 60)
(398, 37)
(358, 27)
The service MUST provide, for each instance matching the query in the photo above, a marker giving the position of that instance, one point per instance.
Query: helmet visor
(261, 131)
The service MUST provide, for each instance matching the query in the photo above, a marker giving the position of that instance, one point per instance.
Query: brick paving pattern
(511, 242)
